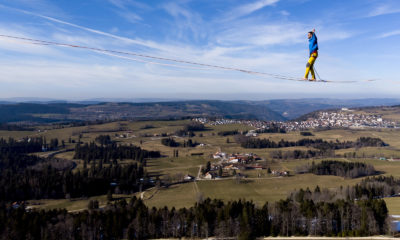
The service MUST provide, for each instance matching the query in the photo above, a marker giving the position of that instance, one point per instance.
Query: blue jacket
(313, 43)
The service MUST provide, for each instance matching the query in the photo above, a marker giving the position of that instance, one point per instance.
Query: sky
(359, 40)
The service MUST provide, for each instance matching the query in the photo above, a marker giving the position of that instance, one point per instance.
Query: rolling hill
(276, 110)
(53, 112)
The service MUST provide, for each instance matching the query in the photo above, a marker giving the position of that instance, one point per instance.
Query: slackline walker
(313, 47)
(175, 62)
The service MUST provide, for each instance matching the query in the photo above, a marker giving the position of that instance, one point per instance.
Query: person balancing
(313, 46)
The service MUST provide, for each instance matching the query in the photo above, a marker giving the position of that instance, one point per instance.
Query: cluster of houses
(252, 123)
(241, 159)
(343, 118)
(227, 164)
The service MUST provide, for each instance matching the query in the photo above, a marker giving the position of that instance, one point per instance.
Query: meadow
(260, 186)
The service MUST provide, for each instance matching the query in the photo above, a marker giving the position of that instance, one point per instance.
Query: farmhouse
(208, 176)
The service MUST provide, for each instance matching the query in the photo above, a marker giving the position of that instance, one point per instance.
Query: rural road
(198, 174)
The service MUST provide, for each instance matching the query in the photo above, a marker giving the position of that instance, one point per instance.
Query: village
(341, 119)
(344, 118)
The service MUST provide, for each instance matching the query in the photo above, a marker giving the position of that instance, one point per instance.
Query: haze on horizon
(358, 41)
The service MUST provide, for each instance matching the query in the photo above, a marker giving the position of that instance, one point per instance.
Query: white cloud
(176, 10)
(145, 43)
(124, 4)
(263, 34)
(334, 34)
(118, 3)
(44, 6)
(285, 13)
(249, 8)
(389, 34)
(124, 10)
(130, 16)
(185, 19)
(383, 10)
(56, 74)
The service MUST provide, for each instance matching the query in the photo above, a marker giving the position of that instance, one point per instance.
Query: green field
(259, 190)
(259, 187)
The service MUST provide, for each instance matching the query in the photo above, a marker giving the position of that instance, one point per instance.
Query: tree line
(189, 129)
(13, 153)
(338, 168)
(372, 187)
(355, 217)
(377, 187)
(228, 133)
(26, 145)
(104, 139)
(241, 219)
(112, 152)
(307, 154)
(170, 142)
(320, 144)
(15, 127)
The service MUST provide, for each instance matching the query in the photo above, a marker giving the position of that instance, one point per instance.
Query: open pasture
(260, 186)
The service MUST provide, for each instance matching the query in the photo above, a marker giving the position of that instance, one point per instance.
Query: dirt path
(196, 187)
(198, 173)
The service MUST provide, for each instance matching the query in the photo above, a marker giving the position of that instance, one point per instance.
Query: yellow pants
(310, 65)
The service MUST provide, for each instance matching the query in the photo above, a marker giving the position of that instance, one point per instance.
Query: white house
(208, 176)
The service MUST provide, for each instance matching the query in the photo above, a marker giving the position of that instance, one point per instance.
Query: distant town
(341, 119)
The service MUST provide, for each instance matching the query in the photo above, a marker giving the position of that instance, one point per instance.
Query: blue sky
(358, 40)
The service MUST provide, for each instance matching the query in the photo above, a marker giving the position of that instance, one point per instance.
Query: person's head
(310, 35)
